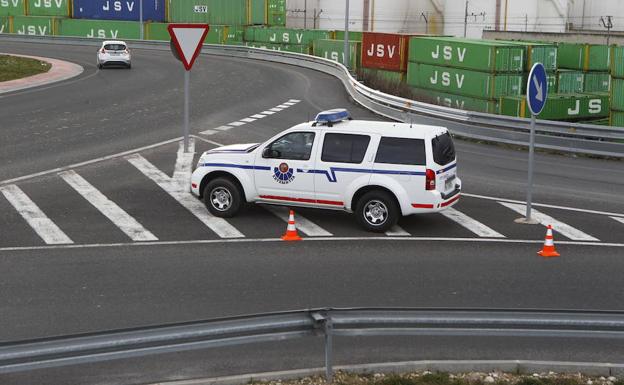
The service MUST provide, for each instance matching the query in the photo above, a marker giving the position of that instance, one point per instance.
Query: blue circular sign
(537, 89)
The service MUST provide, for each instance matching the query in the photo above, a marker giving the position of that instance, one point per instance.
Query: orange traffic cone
(549, 245)
(291, 230)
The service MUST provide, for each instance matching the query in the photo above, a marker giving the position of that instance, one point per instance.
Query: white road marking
(88, 162)
(397, 231)
(289, 104)
(32, 214)
(319, 239)
(184, 166)
(208, 141)
(294, 100)
(208, 132)
(276, 109)
(126, 223)
(248, 120)
(619, 219)
(559, 227)
(542, 205)
(237, 124)
(475, 226)
(223, 128)
(267, 112)
(258, 116)
(219, 225)
(305, 225)
(282, 106)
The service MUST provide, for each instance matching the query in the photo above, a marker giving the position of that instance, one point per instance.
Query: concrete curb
(61, 70)
(510, 366)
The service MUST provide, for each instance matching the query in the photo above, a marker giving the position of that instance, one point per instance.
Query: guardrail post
(323, 322)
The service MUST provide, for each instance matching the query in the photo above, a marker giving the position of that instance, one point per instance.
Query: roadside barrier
(552, 135)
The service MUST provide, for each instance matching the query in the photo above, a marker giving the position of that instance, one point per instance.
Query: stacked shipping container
(617, 87)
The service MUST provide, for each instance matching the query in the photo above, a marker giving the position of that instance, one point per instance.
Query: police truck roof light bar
(332, 116)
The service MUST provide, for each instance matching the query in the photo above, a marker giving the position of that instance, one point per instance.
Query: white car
(378, 170)
(114, 52)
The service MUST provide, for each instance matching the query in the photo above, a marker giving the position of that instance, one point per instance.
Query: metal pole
(187, 76)
(531, 156)
(346, 41)
(329, 353)
(141, 27)
(466, 19)
(305, 14)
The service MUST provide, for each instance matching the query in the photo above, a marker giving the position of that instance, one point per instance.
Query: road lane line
(559, 227)
(248, 120)
(267, 112)
(282, 106)
(32, 214)
(289, 104)
(237, 124)
(473, 225)
(184, 166)
(223, 128)
(305, 225)
(619, 219)
(397, 231)
(276, 109)
(258, 116)
(294, 100)
(208, 132)
(126, 223)
(219, 225)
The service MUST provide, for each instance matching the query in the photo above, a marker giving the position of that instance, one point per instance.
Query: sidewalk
(61, 70)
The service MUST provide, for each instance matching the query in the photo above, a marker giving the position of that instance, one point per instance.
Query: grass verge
(14, 67)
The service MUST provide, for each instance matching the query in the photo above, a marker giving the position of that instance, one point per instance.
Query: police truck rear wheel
(377, 211)
(223, 198)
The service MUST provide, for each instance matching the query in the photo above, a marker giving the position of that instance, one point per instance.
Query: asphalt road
(48, 291)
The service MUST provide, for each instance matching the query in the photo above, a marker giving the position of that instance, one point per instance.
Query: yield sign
(188, 40)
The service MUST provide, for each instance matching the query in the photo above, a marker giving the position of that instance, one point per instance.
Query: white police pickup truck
(377, 170)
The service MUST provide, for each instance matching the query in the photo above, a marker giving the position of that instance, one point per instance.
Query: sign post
(186, 41)
(537, 93)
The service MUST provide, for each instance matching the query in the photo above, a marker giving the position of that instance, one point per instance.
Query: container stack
(334, 50)
(285, 39)
(384, 56)
(465, 74)
(617, 87)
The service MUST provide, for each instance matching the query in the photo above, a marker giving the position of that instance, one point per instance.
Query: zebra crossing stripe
(397, 231)
(305, 225)
(560, 227)
(475, 226)
(219, 225)
(619, 219)
(32, 214)
(126, 223)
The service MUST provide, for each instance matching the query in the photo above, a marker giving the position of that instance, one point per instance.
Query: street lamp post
(346, 39)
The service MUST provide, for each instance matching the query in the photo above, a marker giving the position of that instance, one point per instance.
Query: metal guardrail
(551, 135)
(327, 323)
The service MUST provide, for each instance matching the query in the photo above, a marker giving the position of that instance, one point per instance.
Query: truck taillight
(430, 180)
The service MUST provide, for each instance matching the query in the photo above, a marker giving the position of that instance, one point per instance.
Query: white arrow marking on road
(43, 226)
(540, 90)
(560, 227)
(126, 223)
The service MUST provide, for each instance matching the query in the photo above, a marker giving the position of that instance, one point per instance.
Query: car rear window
(344, 148)
(114, 47)
(401, 151)
(443, 149)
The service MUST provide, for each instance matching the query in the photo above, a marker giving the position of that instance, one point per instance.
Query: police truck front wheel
(377, 211)
(223, 198)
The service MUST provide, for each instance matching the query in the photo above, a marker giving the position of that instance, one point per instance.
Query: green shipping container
(457, 101)
(597, 82)
(257, 12)
(278, 35)
(585, 57)
(476, 55)
(464, 82)
(48, 8)
(560, 107)
(276, 13)
(538, 53)
(353, 35)
(570, 82)
(617, 62)
(100, 29)
(219, 12)
(35, 25)
(617, 94)
(5, 24)
(12, 8)
(617, 119)
(234, 35)
(389, 76)
(334, 50)
(159, 31)
(295, 48)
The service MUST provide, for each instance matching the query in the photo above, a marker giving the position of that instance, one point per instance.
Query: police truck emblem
(283, 174)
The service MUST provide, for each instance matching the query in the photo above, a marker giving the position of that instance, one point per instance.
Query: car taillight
(430, 180)
(103, 50)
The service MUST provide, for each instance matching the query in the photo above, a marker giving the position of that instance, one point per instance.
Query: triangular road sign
(188, 40)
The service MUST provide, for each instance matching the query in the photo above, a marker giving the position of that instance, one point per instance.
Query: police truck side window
(344, 148)
(443, 149)
(401, 151)
(293, 146)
